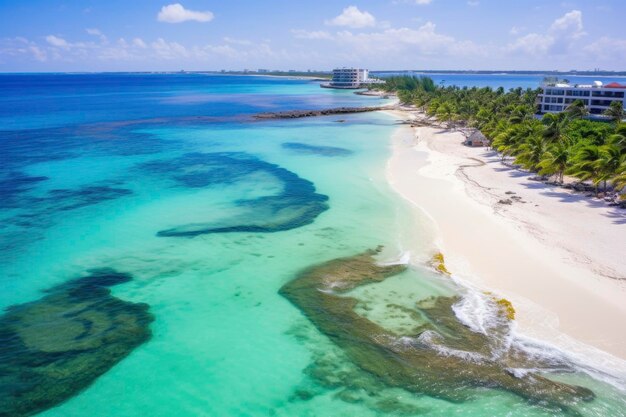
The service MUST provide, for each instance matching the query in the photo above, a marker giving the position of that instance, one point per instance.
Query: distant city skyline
(145, 35)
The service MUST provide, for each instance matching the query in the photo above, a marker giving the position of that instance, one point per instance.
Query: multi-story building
(350, 78)
(597, 97)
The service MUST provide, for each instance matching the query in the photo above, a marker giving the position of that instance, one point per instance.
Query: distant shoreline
(325, 76)
(490, 72)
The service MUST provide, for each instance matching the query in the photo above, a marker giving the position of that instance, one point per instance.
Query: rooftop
(567, 84)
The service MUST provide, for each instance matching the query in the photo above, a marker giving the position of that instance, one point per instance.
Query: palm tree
(531, 152)
(618, 140)
(520, 113)
(619, 182)
(616, 111)
(608, 163)
(555, 124)
(556, 160)
(577, 110)
(433, 106)
(482, 117)
(445, 112)
(585, 165)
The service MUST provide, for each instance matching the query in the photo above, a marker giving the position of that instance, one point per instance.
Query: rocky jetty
(296, 114)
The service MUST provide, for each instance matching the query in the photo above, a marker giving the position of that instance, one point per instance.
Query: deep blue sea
(148, 224)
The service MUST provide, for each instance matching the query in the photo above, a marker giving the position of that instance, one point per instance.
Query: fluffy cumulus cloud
(139, 43)
(142, 54)
(570, 24)
(606, 48)
(352, 17)
(20, 46)
(558, 39)
(423, 41)
(354, 37)
(98, 33)
(176, 13)
(169, 50)
(57, 41)
(532, 43)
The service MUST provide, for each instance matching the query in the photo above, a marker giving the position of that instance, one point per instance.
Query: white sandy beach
(558, 256)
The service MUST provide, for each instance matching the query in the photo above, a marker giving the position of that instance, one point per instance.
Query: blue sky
(116, 35)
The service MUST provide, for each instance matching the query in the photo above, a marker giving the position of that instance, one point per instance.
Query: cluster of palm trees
(554, 146)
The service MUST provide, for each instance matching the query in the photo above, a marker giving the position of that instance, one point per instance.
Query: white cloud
(122, 52)
(57, 41)
(93, 31)
(38, 53)
(473, 3)
(139, 43)
(570, 23)
(533, 43)
(354, 18)
(418, 2)
(98, 33)
(559, 39)
(237, 41)
(607, 48)
(169, 50)
(316, 34)
(176, 13)
(422, 41)
(516, 30)
(18, 45)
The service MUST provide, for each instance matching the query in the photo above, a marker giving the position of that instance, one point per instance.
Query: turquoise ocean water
(166, 178)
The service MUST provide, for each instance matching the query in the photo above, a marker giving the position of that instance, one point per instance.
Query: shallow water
(94, 168)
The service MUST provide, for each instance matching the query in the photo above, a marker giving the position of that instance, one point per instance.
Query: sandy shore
(558, 256)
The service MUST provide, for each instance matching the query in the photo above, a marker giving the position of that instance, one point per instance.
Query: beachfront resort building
(597, 97)
(351, 78)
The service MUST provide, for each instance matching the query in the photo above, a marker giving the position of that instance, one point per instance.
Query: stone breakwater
(296, 114)
(443, 359)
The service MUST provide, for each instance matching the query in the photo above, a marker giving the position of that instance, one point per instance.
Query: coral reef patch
(41, 208)
(13, 185)
(444, 359)
(305, 148)
(54, 347)
(296, 205)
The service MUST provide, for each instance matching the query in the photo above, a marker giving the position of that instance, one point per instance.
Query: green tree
(618, 139)
(433, 107)
(608, 164)
(556, 160)
(577, 110)
(556, 125)
(531, 152)
(616, 111)
(585, 166)
(446, 112)
(619, 182)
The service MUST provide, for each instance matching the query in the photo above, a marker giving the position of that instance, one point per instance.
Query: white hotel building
(351, 78)
(597, 97)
